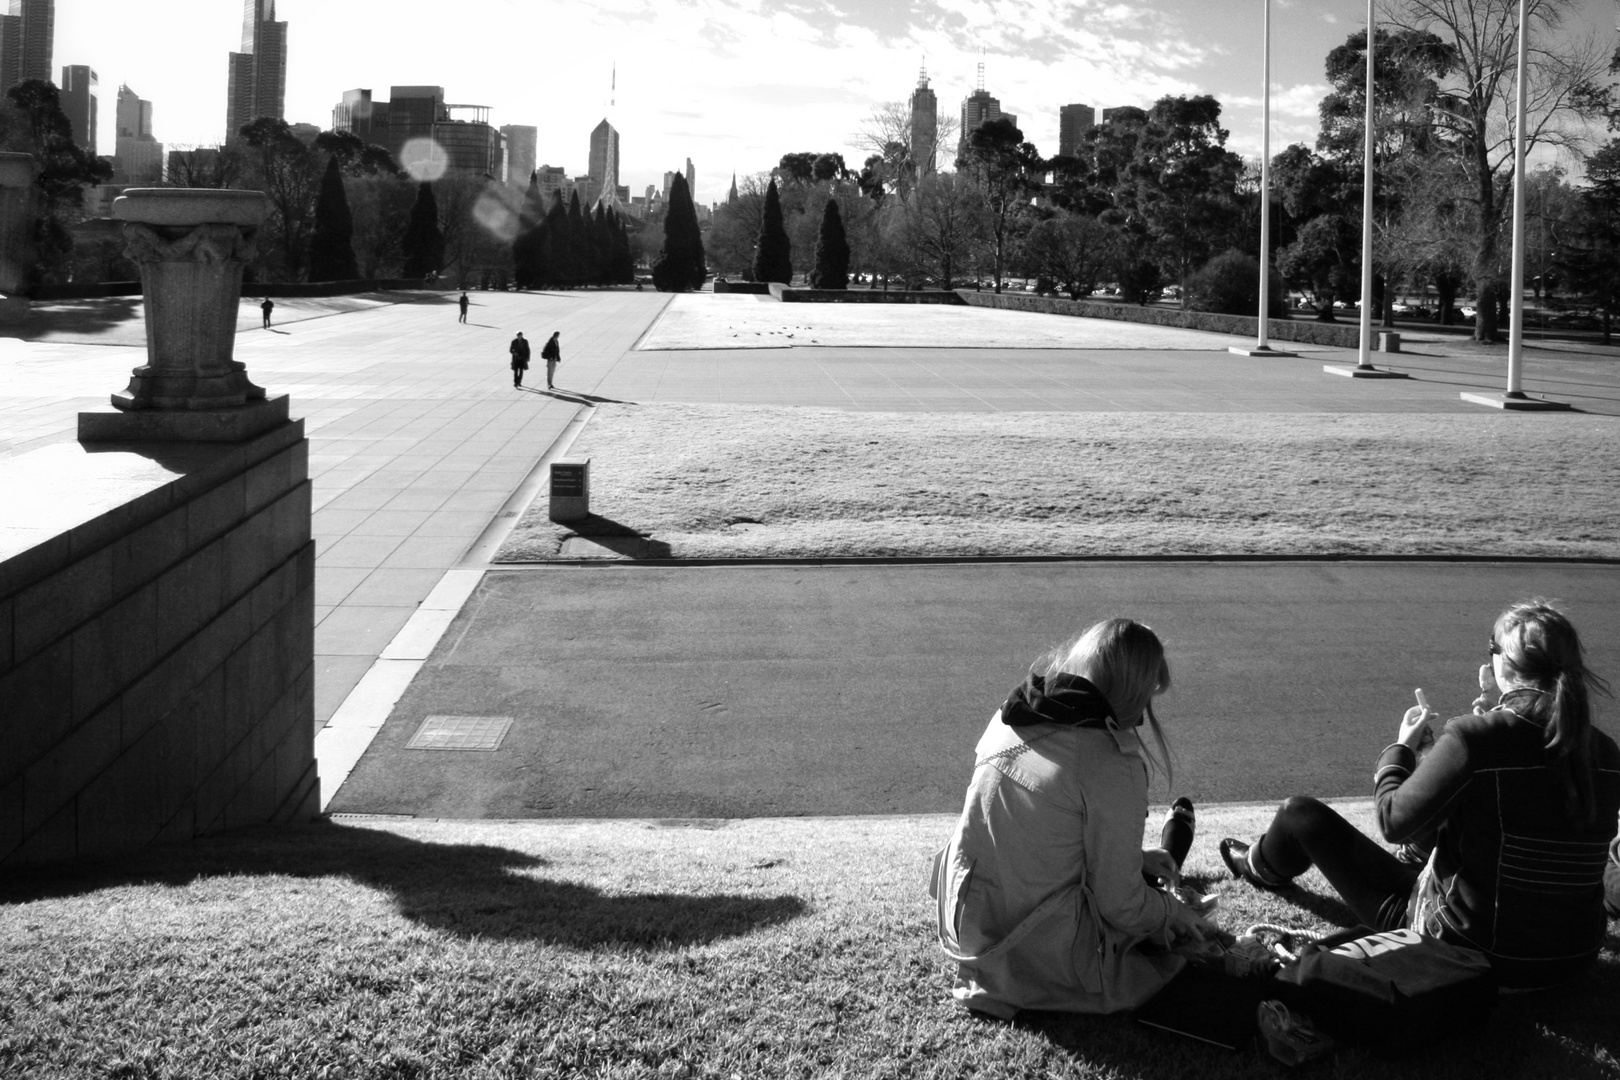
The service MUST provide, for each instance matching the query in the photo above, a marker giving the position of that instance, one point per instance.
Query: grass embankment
(781, 948)
(738, 482)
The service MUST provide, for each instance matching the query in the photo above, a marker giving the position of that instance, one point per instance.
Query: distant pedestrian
(267, 307)
(463, 302)
(520, 358)
(552, 355)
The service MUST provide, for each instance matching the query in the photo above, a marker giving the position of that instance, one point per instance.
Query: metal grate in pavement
(460, 733)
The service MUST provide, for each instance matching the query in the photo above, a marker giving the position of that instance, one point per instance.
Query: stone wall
(156, 643)
(1245, 326)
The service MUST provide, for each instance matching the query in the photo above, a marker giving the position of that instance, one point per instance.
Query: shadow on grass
(470, 890)
(619, 539)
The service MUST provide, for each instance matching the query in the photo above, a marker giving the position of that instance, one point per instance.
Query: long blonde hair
(1124, 660)
(1540, 645)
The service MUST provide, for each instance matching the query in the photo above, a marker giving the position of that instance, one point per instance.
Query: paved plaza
(422, 451)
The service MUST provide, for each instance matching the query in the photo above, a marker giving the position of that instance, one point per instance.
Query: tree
(680, 266)
(578, 266)
(832, 251)
(1007, 171)
(1322, 200)
(331, 247)
(65, 170)
(529, 246)
(773, 255)
(735, 229)
(1472, 110)
(1184, 181)
(937, 228)
(424, 242)
(1589, 247)
(1229, 284)
(289, 173)
(886, 136)
(1073, 251)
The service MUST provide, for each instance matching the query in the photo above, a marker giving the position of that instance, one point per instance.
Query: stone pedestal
(192, 245)
(17, 172)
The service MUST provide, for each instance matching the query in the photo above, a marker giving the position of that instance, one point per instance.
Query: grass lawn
(624, 949)
(722, 482)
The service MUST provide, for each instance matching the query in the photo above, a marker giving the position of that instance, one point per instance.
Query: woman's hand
(1489, 692)
(1159, 863)
(1187, 923)
(1415, 731)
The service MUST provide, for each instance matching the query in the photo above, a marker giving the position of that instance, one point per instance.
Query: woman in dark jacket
(1514, 804)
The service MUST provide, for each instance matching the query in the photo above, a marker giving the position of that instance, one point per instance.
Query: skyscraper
(1073, 123)
(604, 159)
(137, 157)
(27, 36)
(924, 126)
(691, 180)
(521, 147)
(78, 99)
(978, 108)
(257, 83)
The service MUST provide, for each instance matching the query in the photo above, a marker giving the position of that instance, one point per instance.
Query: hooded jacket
(1040, 895)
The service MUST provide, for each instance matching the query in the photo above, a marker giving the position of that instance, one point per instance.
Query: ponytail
(1540, 645)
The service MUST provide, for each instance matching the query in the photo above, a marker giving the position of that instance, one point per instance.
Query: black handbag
(1391, 992)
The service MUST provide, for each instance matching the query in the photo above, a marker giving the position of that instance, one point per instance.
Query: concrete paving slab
(862, 689)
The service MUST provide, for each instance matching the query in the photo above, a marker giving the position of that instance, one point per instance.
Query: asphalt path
(749, 691)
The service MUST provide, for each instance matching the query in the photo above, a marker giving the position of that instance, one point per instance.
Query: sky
(731, 84)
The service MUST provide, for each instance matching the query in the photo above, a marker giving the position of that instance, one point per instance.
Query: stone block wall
(1305, 332)
(156, 643)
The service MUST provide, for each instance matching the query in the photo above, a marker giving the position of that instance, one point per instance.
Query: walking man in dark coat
(267, 307)
(463, 302)
(552, 355)
(520, 358)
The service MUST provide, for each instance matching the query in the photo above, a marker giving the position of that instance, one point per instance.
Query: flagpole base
(1359, 372)
(1517, 403)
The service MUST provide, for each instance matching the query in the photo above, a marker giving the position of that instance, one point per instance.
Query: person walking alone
(552, 355)
(267, 307)
(462, 303)
(520, 358)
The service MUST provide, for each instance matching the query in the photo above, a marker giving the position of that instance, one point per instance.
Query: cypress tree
(424, 243)
(773, 257)
(601, 246)
(680, 266)
(578, 269)
(529, 246)
(832, 251)
(624, 262)
(331, 250)
(555, 240)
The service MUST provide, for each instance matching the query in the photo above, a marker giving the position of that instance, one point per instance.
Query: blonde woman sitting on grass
(1043, 894)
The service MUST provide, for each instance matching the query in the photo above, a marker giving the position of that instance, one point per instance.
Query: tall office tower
(521, 148)
(257, 82)
(669, 178)
(604, 159)
(979, 108)
(1073, 123)
(27, 36)
(137, 157)
(691, 180)
(924, 126)
(78, 99)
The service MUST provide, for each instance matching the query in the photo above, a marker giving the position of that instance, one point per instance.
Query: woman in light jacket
(1042, 891)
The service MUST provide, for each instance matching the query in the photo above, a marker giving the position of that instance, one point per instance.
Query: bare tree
(1473, 112)
(887, 135)
(938, 227)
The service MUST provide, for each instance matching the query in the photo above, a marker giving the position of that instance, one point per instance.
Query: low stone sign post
(570, 489)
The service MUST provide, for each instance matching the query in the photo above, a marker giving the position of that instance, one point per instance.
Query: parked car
(1467, 311)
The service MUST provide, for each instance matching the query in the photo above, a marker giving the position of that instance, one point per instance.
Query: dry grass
(691, 481)
(618, 949)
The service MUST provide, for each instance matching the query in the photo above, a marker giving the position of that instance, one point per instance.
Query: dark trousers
(1372, 882)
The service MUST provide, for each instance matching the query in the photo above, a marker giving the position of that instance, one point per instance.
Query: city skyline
(721, 81)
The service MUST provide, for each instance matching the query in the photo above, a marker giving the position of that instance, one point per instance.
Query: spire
(731, 196)
(922, 76)
(981, 71)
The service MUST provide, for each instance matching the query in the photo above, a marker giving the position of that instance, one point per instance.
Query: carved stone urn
(192, 245)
